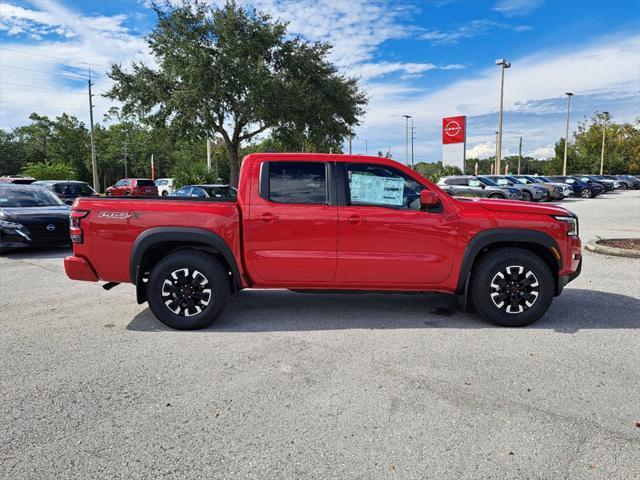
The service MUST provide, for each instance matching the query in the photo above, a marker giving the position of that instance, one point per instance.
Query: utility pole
(208, 154)
(94, 166)
(519, 155)
(406, 141)
(413, 131)
(604, 134)
(495, 160)
(503, 66)
(566, 135)
(126, 173)
(350, 140)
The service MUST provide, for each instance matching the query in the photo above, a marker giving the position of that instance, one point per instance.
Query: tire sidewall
(586, 193)
(526, 196)
(205, 264)
(497, 260)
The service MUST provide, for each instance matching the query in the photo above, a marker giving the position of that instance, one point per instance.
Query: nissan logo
(452, 128)
(51, 227)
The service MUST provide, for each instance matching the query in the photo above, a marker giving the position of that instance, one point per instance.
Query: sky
(428, 59)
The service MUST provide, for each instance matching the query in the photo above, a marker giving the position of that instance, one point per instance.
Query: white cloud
(482, 150)
(513, 8)
(542, 153)
(470, 29)
(371, 70)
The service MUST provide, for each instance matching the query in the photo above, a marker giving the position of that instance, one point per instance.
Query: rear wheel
(526, 196)
(165, 193)
(496, 195)
(512, 287)
(623, 186)
(188, 290)
(586, 193)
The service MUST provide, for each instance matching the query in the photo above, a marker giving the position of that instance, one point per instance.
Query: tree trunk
(234, 163)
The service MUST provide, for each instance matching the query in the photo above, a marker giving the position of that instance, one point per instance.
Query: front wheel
(188, 290)
(526, 196)
(512, 287)
(586, 193)
(497, 196)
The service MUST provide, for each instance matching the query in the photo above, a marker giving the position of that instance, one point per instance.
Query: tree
(235, 74)
(50, 170)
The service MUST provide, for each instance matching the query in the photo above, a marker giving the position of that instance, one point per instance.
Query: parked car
(632, 182)
(470, 186)
(219, 192)
(165, 186)
(530, 193)
(67, 190)
(316, 222)
(555, 191)
(567, 191)
(32, 216)
(609, 185)
(580, 188)
(135, 187)
(17, 179)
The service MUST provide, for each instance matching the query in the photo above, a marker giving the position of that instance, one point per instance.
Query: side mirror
(428, 198)
(483, 186)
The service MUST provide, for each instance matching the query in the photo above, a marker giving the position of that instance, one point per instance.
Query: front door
(292, 227)
(385, 238)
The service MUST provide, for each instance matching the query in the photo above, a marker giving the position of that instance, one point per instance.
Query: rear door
(292, 224)
(385, 238)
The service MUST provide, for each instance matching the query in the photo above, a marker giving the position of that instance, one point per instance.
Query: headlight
(11, 225)
(572, 223)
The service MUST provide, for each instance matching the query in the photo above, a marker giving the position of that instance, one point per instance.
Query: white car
(165, 186)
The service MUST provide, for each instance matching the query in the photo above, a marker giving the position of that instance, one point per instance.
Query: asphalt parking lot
(290, 385)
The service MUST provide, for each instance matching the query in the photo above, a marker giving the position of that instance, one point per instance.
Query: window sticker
(374, 190)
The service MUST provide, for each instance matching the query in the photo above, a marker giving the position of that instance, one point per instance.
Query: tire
(127, 194)
(534, 281)
(108, 194)
(172, 274)
(497, 195)
(623, 186)
(586, 193)
(526, 196)
(165, 193)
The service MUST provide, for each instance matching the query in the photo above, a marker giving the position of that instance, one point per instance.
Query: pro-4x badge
(114, 215)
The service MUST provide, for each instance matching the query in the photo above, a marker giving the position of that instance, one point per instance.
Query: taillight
(74, 224)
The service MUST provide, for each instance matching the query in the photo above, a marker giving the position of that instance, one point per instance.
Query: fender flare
(154, 236)
(501, 235)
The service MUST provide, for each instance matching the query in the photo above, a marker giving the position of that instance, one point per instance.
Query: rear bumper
(78, 268)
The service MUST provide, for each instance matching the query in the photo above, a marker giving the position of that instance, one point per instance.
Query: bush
(50, 171)
(190, 172)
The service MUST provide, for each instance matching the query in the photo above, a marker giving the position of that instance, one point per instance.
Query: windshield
(544, 179)
(517, 180)
(488, 181)
(533, 179)
(36, 197)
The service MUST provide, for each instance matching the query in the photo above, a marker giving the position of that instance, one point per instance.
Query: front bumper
(78, 268)
(563, 280)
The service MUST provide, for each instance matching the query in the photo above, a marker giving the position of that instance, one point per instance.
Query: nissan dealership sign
(454, 140)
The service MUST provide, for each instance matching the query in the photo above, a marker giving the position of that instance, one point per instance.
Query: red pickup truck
(317, 222)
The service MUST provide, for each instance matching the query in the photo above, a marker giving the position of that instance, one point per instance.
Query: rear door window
(146, 183)
(298, 182)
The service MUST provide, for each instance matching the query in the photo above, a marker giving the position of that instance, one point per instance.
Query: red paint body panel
(318, 246)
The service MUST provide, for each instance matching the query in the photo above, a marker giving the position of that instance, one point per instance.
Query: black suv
(67, 190)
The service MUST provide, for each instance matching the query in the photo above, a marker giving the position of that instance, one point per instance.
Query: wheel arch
(486, 241)
(156, 243)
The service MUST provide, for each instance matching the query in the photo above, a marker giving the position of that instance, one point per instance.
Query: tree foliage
(50, 170)
(234, 73)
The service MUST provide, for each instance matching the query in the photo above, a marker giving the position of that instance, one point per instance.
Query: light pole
(503, 66)
(406, 142)
(495, 160)
(604, 133)
(566, 135)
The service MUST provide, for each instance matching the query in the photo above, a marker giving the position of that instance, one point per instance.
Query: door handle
(354, 220)
(268, 217)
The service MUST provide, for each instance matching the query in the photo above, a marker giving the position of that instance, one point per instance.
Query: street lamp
(503, 66)
(604, 133)
(566, 135)
(406, 142)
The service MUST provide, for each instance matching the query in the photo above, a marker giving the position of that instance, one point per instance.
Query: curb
(594, 246)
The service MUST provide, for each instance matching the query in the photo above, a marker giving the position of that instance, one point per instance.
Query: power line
(50, 72)
(36, 86)
(36, 104)
(65, 60)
